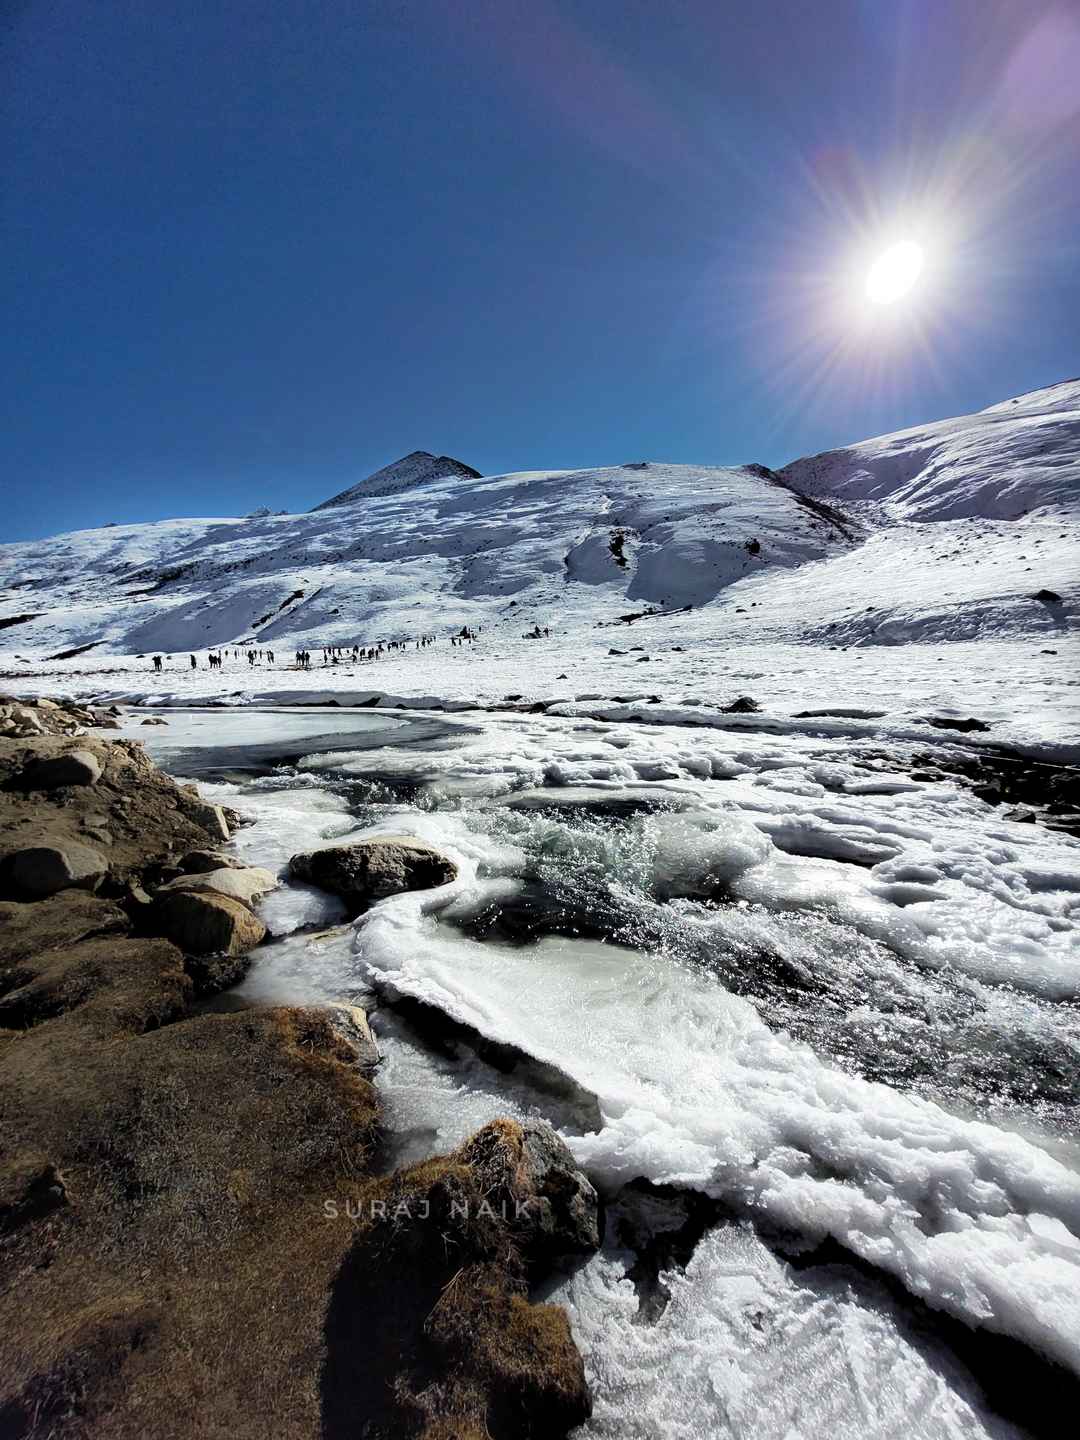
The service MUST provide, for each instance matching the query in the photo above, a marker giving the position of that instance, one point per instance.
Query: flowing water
(809, 1025)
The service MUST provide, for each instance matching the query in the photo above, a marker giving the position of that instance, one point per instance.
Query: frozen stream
(809, 1022)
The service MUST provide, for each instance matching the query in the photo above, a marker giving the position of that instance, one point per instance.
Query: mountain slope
(1021, 457)
(452, 551)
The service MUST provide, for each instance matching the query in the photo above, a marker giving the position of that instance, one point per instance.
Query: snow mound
(412, 469)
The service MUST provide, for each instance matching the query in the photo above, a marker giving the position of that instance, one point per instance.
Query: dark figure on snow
(194, 663)
(157, 662)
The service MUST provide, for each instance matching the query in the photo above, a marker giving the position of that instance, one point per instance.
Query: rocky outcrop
(351, 1023)
(23, 719)
(208, 817)
(947, 722)
(130, 822)
(39, 870)
(73, 767)
(443, 1253)
(369, 870)
(199, 862)
(416, 468)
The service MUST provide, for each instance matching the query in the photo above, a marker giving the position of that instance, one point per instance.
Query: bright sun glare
(894, 272)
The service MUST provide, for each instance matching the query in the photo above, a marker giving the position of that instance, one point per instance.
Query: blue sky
(254, 251)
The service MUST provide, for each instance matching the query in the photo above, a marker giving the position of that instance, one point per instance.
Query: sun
(894, 272)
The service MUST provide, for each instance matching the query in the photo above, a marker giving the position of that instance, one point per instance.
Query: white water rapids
(780, 978)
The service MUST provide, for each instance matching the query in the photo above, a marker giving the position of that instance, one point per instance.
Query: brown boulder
(76, 767)
(200, 862)
(369, 870)
(208, 924)
(210, 818)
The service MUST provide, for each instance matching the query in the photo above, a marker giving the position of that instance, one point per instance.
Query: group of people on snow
(336, 654)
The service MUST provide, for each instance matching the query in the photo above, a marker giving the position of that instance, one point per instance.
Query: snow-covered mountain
(442, 552)
(412, 469)
(945, 532)
(1011, 460)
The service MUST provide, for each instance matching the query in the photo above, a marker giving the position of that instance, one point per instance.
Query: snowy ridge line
(432, 557)
(1006, 462)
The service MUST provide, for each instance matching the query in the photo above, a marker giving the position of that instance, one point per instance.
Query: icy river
(803, 1006)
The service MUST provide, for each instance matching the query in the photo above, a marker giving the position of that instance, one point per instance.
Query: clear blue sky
(255, 249)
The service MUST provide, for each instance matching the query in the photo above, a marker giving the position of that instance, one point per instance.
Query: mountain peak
(412, 469)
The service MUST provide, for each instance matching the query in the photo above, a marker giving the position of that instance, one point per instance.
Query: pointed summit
(403, 474)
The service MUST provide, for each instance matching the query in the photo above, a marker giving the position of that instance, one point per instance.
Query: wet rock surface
(371, 869)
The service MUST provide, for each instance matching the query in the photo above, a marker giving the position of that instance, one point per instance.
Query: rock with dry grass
(169, 1262)
(444, 1253)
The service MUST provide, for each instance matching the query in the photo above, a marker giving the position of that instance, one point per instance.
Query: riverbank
(194, 1240)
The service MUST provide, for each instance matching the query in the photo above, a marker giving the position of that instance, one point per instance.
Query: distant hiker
(270, 656)
(157, 662)
(194, 663)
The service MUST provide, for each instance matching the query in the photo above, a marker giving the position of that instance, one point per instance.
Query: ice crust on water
(291, 816)
(749, 1349)
(696, 1091)
(1001, 898)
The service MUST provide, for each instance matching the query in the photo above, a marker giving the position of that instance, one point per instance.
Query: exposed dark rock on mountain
(412, 469)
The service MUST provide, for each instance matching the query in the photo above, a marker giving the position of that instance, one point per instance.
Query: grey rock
(41, 870)
(564, 1216)
(351, 1023)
